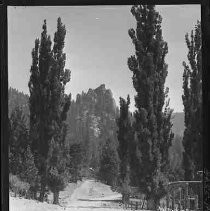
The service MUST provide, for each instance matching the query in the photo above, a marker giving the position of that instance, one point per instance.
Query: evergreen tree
(39, 101)
(29, 172)
(125, 138)
(48, 104)
(152, 121)
(109, 164)
(16, 98)
(58, 171)
(76, 161)
(21, 161)
(192, 100)
(176, 158)
(60, 103)
(87, 146)
(18, 140)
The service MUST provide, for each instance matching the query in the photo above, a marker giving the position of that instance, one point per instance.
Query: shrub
(17, 186)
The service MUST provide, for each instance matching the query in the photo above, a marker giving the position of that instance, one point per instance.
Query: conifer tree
(192, 100)
(29, 172)
(60, 103)
(109, 164)
(21, 161)
(48, 104)
(176, 159)
(125, 137)
(87, 146)
(18, 140)
(16, 98)
(39, 105)
(76, 161)
(152, 119)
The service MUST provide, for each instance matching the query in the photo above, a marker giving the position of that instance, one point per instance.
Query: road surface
(87, 196)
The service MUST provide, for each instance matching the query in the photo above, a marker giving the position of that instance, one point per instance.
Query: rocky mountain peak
(101, 89)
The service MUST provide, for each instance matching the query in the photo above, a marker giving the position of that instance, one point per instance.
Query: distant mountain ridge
(92, 120)
(178, 123)
(102, 97)
(16, 98)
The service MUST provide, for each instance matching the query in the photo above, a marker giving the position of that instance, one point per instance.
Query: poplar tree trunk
(42, 191)
(35, 195)
(152, 203)
(56, 197)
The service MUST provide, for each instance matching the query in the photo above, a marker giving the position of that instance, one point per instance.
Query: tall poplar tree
(39, 100)
(60, 103)
(125, 137)
(48, 103)
(192, 100)
(152, 119)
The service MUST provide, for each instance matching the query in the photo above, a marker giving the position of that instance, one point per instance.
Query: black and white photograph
(105, 108)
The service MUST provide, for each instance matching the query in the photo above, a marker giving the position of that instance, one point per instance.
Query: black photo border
(205, 24)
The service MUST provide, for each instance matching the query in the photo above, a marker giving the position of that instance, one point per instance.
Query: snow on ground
(85, 196)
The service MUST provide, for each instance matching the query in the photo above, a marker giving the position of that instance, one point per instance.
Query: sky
(97, 46)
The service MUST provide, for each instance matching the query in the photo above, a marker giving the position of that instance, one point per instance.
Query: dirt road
(92, 194)
(88, 195)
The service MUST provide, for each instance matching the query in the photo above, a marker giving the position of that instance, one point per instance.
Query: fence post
(187, 197)
(196, 202)
(167, 200)
(173, 200)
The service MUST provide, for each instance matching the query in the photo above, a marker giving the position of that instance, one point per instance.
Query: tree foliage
(16, 98)
(18, 140)
(29, 173)
(109, 165)
(152, 119)
(76, 161)
(48, 106)
(21, 160)
(192, 100)
(124, 139)
(91, 121)
(39, 101)
(176, 159)
(60, 104)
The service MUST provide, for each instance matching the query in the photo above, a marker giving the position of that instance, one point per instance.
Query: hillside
(96, 99)
(178, 123)
(16, 98)
(92, 120)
